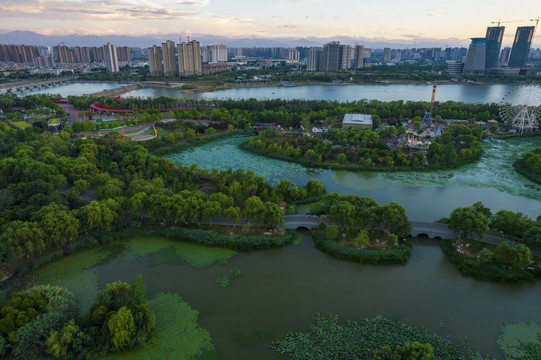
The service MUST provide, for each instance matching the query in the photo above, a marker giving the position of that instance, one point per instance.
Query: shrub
(239, 243)
(394, 256)
(485, 271)
(332, 233)
(30, 339)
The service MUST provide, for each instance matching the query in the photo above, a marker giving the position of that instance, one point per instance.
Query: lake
(446, 92)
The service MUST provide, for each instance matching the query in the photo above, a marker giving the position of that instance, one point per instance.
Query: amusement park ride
(521, 107)
(427, 119)
(419, 142)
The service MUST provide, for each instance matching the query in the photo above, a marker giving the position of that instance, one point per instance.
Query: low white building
(357, 121)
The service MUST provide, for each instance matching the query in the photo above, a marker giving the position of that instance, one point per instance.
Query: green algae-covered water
(281, 290)
(427, 196)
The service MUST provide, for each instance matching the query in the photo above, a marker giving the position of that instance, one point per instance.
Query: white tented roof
(358, 119)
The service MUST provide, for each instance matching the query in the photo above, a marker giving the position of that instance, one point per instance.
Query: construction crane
(503, 22)
(535, 28)
(428, 115)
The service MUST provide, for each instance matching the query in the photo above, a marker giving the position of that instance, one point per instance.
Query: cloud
(434, 12)
(93, 10)
(194, 3)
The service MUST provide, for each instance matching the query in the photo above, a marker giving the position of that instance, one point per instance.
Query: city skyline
(389, 21)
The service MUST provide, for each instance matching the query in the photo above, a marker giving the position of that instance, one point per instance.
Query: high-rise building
(454, 67)
(18, 53)
(436, 54)
(504, 56)
(111, 59)
(358, 58)
(294, 55)
(123, 53)
(135, 53)
(345, 54)
(63, 54)
(205, 55)
(97, 54)
(81, 54)
(367, 61)
(313, 59)
(386, 54)
(169, 58)
(43, 62)
(234, 52)
(189, 58)
(329, 60)
(155, 61)
(396, 54)
(521, 46)
(475, 63)
(218, 53)
(494, 38)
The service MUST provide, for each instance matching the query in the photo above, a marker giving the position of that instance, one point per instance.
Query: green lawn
(21, 124)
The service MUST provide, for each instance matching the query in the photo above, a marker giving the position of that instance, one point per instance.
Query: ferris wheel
(521, 107)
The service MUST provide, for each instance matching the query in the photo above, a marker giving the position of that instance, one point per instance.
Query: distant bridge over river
(25, 85)
(418, 229)
(430, 230)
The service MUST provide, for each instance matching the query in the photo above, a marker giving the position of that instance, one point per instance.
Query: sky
(446, 23)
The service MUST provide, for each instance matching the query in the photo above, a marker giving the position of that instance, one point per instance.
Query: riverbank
(529, 174)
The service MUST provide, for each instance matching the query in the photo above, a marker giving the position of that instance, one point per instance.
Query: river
(76, 88)
(426, 196)
(281, 290)
(446, 92)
